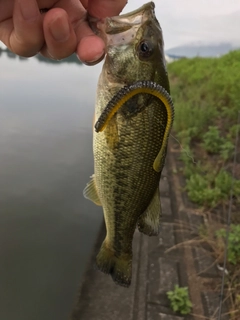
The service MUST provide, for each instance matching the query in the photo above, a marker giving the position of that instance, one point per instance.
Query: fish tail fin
(120, 268)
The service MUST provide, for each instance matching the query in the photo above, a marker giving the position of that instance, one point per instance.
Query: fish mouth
(121, 30)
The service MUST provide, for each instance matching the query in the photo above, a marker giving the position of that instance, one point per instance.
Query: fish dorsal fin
(90, 192)
(149, 221)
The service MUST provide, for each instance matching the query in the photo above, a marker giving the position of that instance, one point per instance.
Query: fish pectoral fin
(90, 192)
(149, 221)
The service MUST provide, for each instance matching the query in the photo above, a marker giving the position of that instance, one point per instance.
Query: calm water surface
(47, 228)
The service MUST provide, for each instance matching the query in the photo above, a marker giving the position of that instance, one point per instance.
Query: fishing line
(184, 150)
(229, 220)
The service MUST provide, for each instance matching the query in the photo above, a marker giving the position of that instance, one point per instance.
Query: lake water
(47, 228)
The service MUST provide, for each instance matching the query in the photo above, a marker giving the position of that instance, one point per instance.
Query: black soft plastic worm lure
(127, 92)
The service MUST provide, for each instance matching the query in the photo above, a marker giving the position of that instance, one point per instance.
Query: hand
(59, 32)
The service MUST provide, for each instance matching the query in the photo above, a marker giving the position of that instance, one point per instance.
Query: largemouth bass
(134, 114)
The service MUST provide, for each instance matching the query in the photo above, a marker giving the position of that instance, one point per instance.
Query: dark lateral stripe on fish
(127, 92)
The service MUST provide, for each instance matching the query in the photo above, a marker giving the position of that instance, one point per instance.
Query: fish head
(134, 47)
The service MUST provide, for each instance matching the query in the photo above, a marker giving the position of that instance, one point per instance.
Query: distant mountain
(201, 50)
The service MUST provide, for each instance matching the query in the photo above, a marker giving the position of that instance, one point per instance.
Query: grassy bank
(206, 93)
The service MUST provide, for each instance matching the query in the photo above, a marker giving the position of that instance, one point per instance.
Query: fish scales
(125, 182)
(124, 175)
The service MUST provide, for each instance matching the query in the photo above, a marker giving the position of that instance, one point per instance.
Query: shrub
(233, 242)
(211, 189)
(179, 300)
(212, 141)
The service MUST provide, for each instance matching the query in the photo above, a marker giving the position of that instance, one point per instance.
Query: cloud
(188, 21)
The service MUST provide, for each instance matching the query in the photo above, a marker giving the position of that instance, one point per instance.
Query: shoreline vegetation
(206, 93)
(71, 59)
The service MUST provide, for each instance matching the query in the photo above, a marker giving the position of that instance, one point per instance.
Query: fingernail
(95, 61)
(60, 29)
(29, 9)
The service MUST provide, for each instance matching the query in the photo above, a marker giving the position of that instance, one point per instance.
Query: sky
(193, 21)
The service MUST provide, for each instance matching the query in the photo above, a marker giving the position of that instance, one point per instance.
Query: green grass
(206, 93)
(205, 89)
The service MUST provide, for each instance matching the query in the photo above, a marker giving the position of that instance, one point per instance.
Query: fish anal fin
(149, 221)
(119, 267)
(90, 192)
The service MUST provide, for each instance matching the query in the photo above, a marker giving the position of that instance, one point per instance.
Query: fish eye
(145, 49)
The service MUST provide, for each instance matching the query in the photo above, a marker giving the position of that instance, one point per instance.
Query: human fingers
(22, 33)
(91, 48)
(60, 37)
